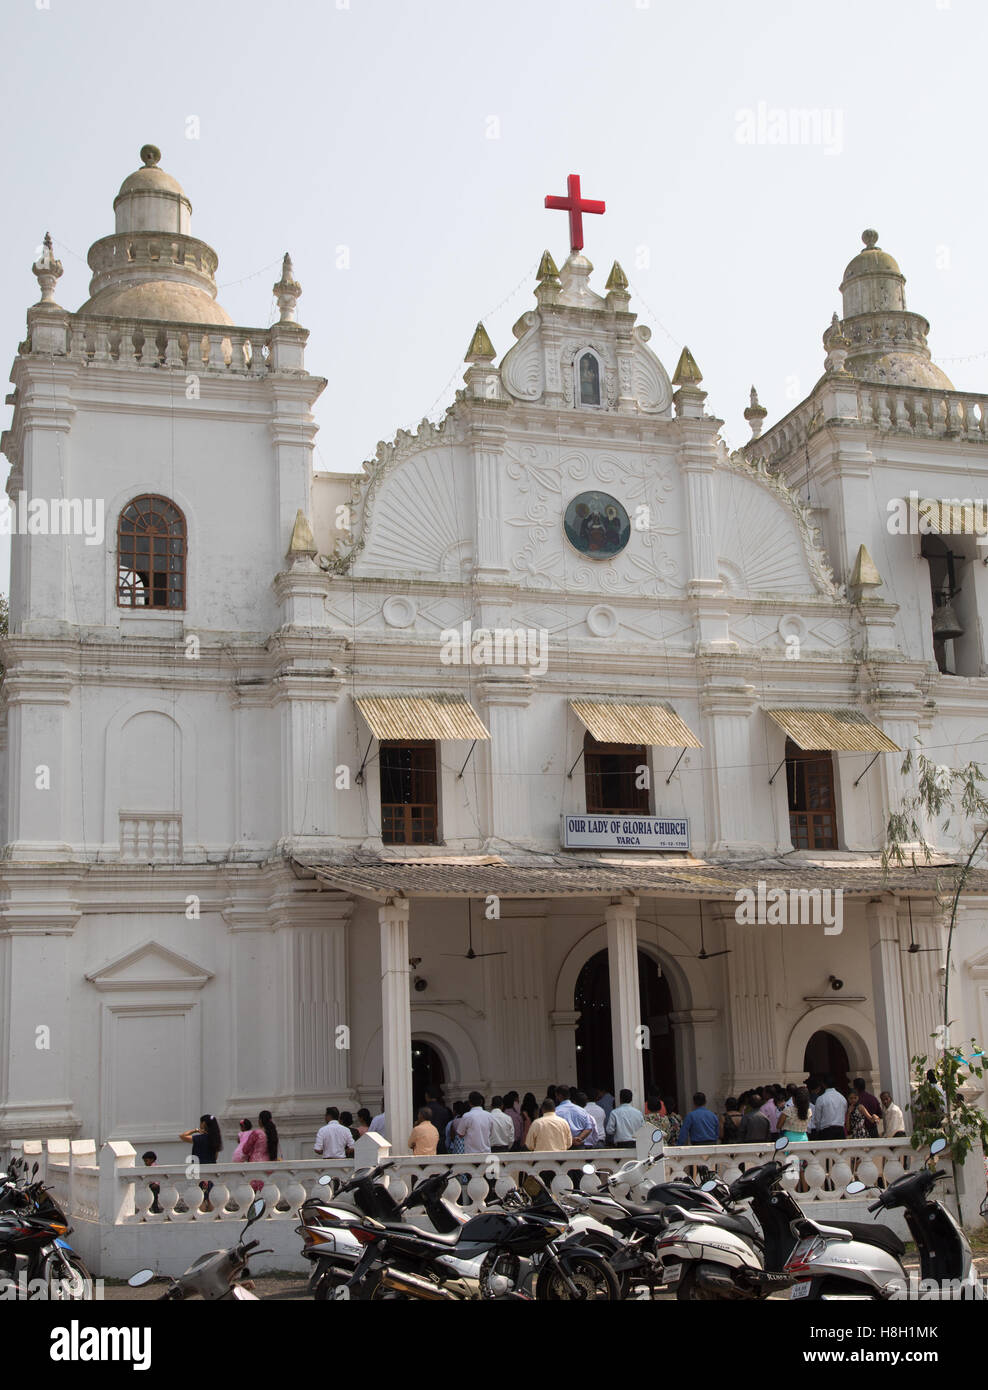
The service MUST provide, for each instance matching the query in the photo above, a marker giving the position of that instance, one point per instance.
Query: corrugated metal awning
(832, 730)
(421, 716)
(653, 724)
(714, 882)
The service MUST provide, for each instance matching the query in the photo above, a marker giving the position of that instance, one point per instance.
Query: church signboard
(598, 830)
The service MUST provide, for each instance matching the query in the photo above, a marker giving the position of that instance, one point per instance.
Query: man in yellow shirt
(424, 1138)
(549, 1133)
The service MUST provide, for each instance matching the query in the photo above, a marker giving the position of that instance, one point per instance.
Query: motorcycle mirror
(781, 1143)
(143, 1276)
(325, 1180)
(708, 1186)
(938, 1146)
(657, 1136)
(589, 1169)
(256, 1210)
(853, 1188)
(35, 1169)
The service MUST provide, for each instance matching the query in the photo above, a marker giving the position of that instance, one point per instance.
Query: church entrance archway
(427, 1071)
(594, 1045)
(825, 1054)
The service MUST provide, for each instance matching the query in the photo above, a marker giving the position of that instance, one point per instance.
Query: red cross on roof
(576, 206)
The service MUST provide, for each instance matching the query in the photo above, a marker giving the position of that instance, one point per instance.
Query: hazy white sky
(423, 135)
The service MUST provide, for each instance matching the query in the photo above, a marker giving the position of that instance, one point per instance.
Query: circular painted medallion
(597, 525)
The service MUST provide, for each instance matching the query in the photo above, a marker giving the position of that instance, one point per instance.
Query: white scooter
(828, 1265)
(218, 1274)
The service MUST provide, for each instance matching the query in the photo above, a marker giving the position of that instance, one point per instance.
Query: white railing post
(116, 1198)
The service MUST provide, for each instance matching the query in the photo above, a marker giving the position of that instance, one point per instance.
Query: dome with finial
(152, 267)
(884, 342)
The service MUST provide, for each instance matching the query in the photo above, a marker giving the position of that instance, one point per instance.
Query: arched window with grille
(151, 554)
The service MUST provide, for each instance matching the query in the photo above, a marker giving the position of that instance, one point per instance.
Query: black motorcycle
(522, 1254)
(36, 1262)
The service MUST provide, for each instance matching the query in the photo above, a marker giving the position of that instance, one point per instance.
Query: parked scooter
(778, 1211)
(218, 1274)
(828, 1265)
(641, 1224)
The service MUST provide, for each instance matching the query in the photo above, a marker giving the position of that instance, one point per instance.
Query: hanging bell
(945, 623)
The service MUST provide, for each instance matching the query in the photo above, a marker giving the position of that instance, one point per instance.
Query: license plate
(800, 1290)
(672, 1274)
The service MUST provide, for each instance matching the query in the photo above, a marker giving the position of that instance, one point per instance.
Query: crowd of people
(570, 1118)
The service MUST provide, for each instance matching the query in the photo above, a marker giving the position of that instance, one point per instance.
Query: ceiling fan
(914, 948)
(703, 953)
(471, 954)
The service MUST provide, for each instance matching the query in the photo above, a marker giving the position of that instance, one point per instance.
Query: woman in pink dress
(261, 1145)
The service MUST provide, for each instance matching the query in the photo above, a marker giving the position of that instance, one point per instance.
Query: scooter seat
(881, 1236)
(642, 1208)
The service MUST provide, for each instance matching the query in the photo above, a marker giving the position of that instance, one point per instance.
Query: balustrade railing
(151, 838)
(820, 1173)
(190, 347)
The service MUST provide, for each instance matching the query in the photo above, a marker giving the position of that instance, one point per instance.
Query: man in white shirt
(333, 1140)
(596, 1113)
(502, 1127)
(895, 1121)
(474, 1128)
(829, 1111)
(379, 1125)
(624, 1122)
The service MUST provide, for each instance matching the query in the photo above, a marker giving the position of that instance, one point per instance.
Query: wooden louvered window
(409, 800)
(812, 805)
(151, 554)
(612, 775)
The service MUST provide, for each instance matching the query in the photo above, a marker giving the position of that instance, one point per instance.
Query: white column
(396, 1023)
(886, 986)
(622, 961)
(740, 818)
(488, 443)
(750, 1008)
(506, 701)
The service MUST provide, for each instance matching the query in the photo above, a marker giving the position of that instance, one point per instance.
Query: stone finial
(287, 291)
(481, 348)
(47, 269)
(302, 542)
(838, 346)
(687, 372)
(870, 237)
(864, 577)
(755, 414)
(548, 270)
(150, 156)
(617, 280)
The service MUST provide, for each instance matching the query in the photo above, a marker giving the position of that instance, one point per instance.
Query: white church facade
(321, 787)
